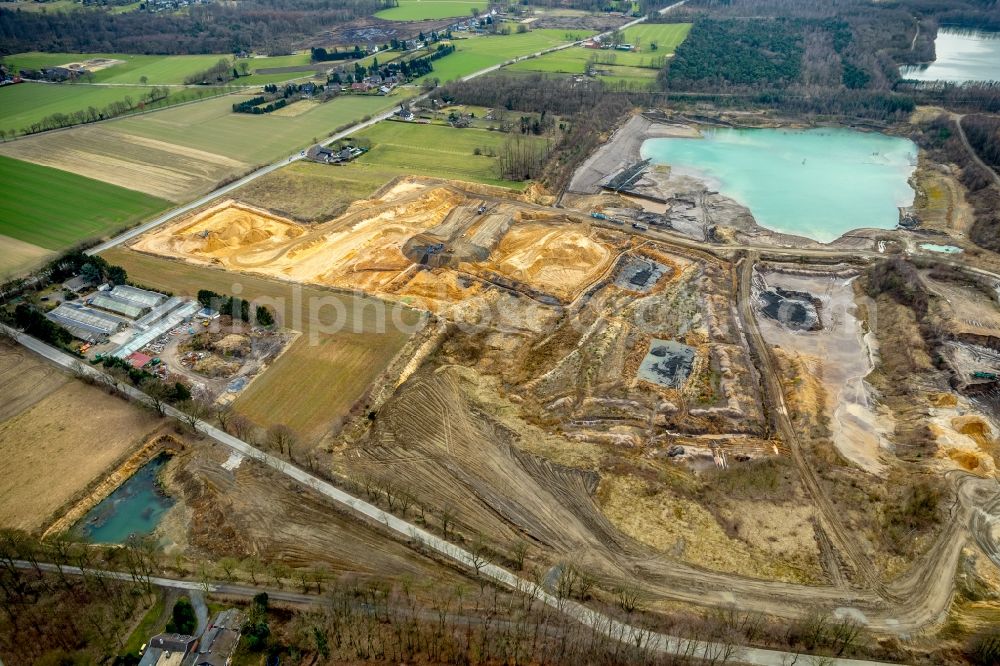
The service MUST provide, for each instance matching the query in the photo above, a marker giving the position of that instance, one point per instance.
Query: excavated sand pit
(424, 243)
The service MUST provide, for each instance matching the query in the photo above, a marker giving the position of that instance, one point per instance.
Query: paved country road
(410, 532)
(263, 171)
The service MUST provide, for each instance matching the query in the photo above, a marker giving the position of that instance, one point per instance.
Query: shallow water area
(945, 249)
(136, 507)
(818, 183)
(962, 55)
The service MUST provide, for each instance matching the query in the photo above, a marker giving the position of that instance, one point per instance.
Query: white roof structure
(149, 299)
(157, 329)
(123, 307)
(86, 319)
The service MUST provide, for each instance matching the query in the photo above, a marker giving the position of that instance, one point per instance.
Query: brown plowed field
(48, 452)
(162, 169)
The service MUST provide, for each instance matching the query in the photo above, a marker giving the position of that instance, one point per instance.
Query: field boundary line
(121, 117)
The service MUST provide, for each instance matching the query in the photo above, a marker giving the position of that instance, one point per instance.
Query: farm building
(157, 328)
(167, 650)
(77, 284)
(159, 312)
(220, 639)
(138, 360)
(118, 306)
(85, 323)
(325, 155)
(148, 299)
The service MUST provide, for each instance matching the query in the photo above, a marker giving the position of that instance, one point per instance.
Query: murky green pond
(818, 183)
(961, 55)
(136, 507)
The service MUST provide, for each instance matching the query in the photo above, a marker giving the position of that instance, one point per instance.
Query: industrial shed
(147, 299)
(118, 306)
(85, 323)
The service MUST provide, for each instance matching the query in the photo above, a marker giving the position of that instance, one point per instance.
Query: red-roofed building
(138, 360)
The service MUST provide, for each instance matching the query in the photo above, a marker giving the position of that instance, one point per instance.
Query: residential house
(167, 650)
(220, 639)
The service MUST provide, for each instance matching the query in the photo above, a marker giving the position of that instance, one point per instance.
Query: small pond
(136, 507)
(934, 247)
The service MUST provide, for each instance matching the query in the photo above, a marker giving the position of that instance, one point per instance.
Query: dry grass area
(20, 257)
(49, 452)
(311, 387)
(159, 168)
(254, 510)
(309, 192)
(778, 542)
(940, 200)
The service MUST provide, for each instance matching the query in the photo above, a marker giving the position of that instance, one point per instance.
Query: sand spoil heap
(429, 244)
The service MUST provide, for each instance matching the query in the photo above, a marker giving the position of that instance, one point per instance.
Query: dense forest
(983, 133)
(940, 137)
(737, 53)
(265, 26)
(588, 111)
(807, 47)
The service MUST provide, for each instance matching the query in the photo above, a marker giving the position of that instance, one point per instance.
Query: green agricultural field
(667, 36)
(56, 210)
(160, 69)
(434, 150)
(32, 6)
(212, 126)
(24, 104)
(182, 152)
(631, 68)
(477, 53)
(418, 10)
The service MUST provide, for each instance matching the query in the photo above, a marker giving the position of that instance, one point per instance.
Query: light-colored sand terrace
(363, 248)
(845, 356)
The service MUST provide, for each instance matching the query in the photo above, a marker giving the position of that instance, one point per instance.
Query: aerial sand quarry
(619, 403)
(424, 243)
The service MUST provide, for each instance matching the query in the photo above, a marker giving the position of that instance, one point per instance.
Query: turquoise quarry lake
(136, 507)
(961, 55)
(818, 183)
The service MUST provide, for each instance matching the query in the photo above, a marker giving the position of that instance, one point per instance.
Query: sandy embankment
(621, 150)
